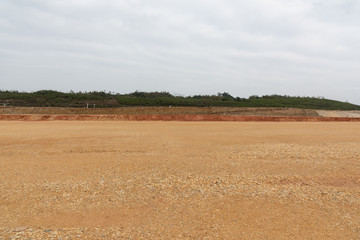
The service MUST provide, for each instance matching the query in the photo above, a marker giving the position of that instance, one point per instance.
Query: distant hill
(102, 99)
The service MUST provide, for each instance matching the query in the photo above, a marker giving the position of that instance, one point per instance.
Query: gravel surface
(179, 180)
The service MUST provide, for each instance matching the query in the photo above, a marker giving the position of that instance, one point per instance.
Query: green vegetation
(49, 98)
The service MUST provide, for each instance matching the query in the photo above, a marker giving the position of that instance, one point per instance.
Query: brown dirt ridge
(175, 114)
(38, 117)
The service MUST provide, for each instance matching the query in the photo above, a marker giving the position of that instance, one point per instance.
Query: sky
(243, 47)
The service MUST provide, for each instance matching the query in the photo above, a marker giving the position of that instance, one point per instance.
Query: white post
(87, 105)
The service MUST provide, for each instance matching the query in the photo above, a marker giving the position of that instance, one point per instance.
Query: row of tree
(50, 98)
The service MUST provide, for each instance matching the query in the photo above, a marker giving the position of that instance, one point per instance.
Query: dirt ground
(179, 180)
(166, 117)
(162, 111)
(348, 114)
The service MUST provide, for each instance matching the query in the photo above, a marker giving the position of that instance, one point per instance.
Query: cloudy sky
(244, 47)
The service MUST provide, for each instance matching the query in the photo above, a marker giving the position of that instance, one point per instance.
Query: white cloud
(301, 47)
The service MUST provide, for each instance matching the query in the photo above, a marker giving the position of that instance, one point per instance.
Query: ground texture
(163, 111)
(179, 180)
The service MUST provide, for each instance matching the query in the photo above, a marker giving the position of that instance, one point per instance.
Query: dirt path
(179, 180)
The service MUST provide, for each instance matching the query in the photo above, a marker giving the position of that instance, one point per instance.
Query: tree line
(103, 99)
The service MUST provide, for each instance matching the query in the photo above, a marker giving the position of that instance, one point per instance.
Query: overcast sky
(293, 47)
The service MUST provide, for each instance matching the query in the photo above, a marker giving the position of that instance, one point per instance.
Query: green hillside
(49, 98)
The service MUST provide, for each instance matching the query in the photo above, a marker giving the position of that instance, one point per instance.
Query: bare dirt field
(179, 180)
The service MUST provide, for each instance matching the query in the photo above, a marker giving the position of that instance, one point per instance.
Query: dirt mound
(36, 117)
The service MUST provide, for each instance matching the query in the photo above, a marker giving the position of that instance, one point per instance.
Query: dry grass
(184, 180)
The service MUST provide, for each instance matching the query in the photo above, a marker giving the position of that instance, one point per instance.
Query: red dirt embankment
(37, 117)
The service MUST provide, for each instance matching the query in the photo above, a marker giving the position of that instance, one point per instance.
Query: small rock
(19, 229)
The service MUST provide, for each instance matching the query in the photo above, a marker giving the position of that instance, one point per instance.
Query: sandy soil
(179, 180)
(348, 114)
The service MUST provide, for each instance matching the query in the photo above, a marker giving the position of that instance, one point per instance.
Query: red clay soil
(37, 117)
